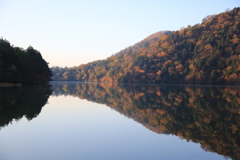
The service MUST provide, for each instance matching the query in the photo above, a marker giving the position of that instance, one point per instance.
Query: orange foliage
(192, 40)
(166, 103)
(179, 67)
(137, 96)
(159, 93)
(238, 100)
(165, 45)
(199, 43)
(238, 68)
(233, 78)
(212, 49)
(189, 33)
(150, 55)
(159, 72)
(208, 47)
(161, 54)
(181, 32)
(179, 99)
(207, 120)
(161, 111)
(136, 68)
(193, 67)
(163, 128)
(192, 99)
(163, 38)
(235, 39)
(167, 62)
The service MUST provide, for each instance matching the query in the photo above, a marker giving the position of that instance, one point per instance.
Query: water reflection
(205, 115)
(17, 102)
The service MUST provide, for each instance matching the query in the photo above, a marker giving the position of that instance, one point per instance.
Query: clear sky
(73, 32)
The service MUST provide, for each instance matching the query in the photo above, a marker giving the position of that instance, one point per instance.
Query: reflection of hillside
(205, 115)
(22, 101)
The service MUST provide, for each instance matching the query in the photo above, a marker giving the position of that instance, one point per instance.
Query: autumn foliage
(206, 53)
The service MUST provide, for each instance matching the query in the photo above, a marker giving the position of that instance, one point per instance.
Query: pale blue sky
(73, 32)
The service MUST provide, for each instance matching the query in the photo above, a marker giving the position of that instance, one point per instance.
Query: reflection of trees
(205, 115)
(22, 101)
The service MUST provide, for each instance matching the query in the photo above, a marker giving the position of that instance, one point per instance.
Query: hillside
(206, 53)
(22, 66)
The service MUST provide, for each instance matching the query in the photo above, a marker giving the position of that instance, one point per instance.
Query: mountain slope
(206, 53)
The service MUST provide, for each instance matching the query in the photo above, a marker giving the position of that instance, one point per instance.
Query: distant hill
(144, 43)
(22, 66)
(206, 53)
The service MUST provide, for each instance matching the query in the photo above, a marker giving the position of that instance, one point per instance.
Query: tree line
(22, 66)
(206, 53)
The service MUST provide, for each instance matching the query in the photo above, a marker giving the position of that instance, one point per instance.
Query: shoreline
(10, 84)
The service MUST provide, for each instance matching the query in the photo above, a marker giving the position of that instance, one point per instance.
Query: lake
(98, 121)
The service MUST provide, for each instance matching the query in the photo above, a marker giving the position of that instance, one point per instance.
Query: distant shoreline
(152, 83)
(10, 84)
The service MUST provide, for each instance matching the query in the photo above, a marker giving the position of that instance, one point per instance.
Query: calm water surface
(95, 121)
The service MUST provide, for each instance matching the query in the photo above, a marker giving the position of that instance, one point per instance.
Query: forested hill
(206, 53)
(22, 66)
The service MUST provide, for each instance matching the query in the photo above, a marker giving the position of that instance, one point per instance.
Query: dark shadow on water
(17, 102)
